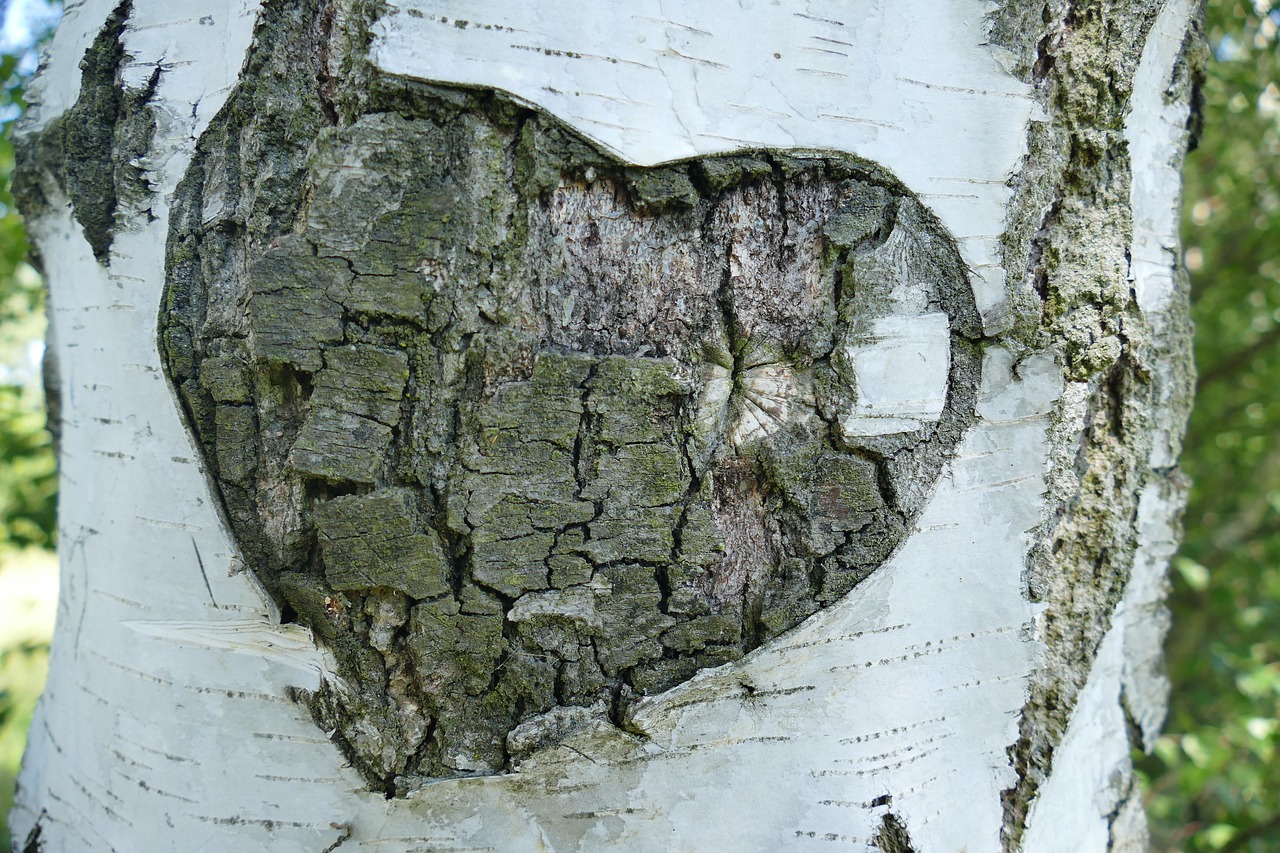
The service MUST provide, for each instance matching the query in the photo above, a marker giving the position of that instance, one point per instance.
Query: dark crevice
(1045, 59)
(33, 842)
(1037, 266)
(322, 39)
(838, 282)
(892, 836)
(780, 183)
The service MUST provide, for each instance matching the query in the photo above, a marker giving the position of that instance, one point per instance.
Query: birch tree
(747, 426)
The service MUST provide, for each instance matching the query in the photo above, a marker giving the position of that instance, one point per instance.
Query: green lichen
(291, 292)
(372, 541)
(720, 173)
(867, 214)
(659, 188)
(354, 409)
(226, 379)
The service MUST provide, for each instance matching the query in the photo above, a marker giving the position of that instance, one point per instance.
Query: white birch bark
(167, 724)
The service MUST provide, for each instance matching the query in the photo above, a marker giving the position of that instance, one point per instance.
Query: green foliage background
(27, 480)
(1214, 781)
(28, 476)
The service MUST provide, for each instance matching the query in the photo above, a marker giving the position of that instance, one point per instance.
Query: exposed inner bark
(524, 434)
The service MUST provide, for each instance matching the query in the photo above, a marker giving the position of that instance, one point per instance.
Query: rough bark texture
(1129, 377)
(523, 433)
(532, 441)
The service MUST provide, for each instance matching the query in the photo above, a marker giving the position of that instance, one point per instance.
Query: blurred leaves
(28, 478)
(1214, 778)
(28, 588)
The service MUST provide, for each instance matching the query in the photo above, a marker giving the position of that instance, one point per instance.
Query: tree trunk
(523, 428)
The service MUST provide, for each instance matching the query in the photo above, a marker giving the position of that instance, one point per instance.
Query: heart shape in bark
(520, 431)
